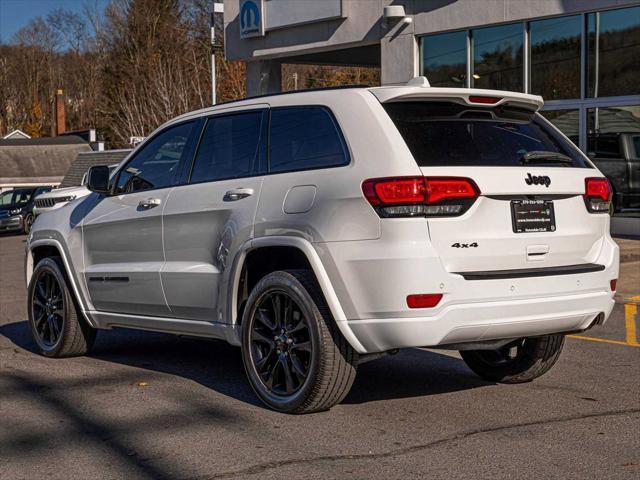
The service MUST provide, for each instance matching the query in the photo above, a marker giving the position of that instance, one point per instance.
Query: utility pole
(217, 8)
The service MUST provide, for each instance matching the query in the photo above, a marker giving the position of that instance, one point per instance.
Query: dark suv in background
(16, 208)
(617, 155)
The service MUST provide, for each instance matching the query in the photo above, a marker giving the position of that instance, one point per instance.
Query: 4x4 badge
(541, 180)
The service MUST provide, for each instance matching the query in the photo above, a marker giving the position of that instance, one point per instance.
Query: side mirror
(98, 179)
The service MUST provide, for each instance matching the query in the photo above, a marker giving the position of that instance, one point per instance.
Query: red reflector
(439, 189)
(428, 300)
(614, 284)
(598, 187)
(477, 99)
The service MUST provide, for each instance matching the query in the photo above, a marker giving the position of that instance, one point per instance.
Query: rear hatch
(530, 209)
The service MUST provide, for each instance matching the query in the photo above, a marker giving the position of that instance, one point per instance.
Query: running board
(178, 326)
(532, 272)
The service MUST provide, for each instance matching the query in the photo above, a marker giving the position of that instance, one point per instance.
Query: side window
(304, 138)
(604, 146)
(156, 165)
(6, 198)
(230, 147)
(22, 197)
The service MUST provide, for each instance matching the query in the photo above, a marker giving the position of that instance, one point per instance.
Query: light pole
(217, 8)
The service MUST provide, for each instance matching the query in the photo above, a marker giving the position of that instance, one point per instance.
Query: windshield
(15, 197)
(450, 134)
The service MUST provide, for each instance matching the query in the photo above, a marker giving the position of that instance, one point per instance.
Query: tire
(57, 326)
(305, 342)
(27, 223)
(518, 362)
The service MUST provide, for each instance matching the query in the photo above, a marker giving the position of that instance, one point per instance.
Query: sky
(15, 14)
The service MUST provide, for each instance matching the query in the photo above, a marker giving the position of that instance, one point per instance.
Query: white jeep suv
(319, 229)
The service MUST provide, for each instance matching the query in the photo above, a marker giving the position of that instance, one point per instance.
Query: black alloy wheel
(281, 348)
(57, 325)
(48, 309)
(520, 361)
(295, 357)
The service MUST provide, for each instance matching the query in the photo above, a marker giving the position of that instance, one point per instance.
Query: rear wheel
(296, 359)
(518, 362)
(56, 326)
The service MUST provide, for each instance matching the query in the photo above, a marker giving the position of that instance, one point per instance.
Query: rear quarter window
(305, 138)
(450, 134)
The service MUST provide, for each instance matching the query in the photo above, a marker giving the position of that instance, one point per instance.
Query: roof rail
(277, 94)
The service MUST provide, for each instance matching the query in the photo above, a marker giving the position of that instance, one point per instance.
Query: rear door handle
(149, 203)
(237, 194)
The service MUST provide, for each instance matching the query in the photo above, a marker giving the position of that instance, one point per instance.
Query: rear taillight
(420, 196)
(613, 284)
(597, 196)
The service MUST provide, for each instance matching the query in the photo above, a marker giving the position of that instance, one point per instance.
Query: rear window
(450, 134)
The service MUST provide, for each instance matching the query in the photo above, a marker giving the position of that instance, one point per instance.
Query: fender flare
(318, 269)
(29, 267)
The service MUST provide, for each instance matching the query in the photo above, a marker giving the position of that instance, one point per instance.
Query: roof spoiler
(419, 88)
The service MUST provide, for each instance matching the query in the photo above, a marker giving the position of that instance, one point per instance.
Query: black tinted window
(449, 134)
(304, 138)
(604, 146)
(16, 197)
(156, 165)
(230, 147)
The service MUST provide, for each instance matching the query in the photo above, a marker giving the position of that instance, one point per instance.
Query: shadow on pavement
(218, 366)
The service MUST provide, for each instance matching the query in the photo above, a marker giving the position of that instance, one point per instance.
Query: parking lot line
(630, 311)
(603, 340)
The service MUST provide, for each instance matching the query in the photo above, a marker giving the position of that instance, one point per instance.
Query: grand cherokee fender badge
(541, 180)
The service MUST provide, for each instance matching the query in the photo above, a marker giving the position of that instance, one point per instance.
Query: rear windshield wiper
(545, 156)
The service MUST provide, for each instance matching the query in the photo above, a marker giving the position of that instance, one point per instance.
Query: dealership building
(582, 56)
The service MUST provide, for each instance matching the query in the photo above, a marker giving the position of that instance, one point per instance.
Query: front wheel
(296, 359)
(28, 223)
(517, 362)
(57, 327)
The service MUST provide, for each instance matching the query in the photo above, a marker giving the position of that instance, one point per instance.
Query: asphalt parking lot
(146, 405)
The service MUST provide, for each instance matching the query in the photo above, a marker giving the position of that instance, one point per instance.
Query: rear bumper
(373, 278)
(476, 322)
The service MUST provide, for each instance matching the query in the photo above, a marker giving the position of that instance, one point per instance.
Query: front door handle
(237, 194)
(149, 203)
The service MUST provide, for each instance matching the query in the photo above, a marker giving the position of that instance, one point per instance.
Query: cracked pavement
(147, 405)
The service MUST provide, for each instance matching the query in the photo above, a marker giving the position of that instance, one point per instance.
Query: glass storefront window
(498, 57)
(444, 59)
(555, 57)
(565, 120)
(613, 52)
(613, 145)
